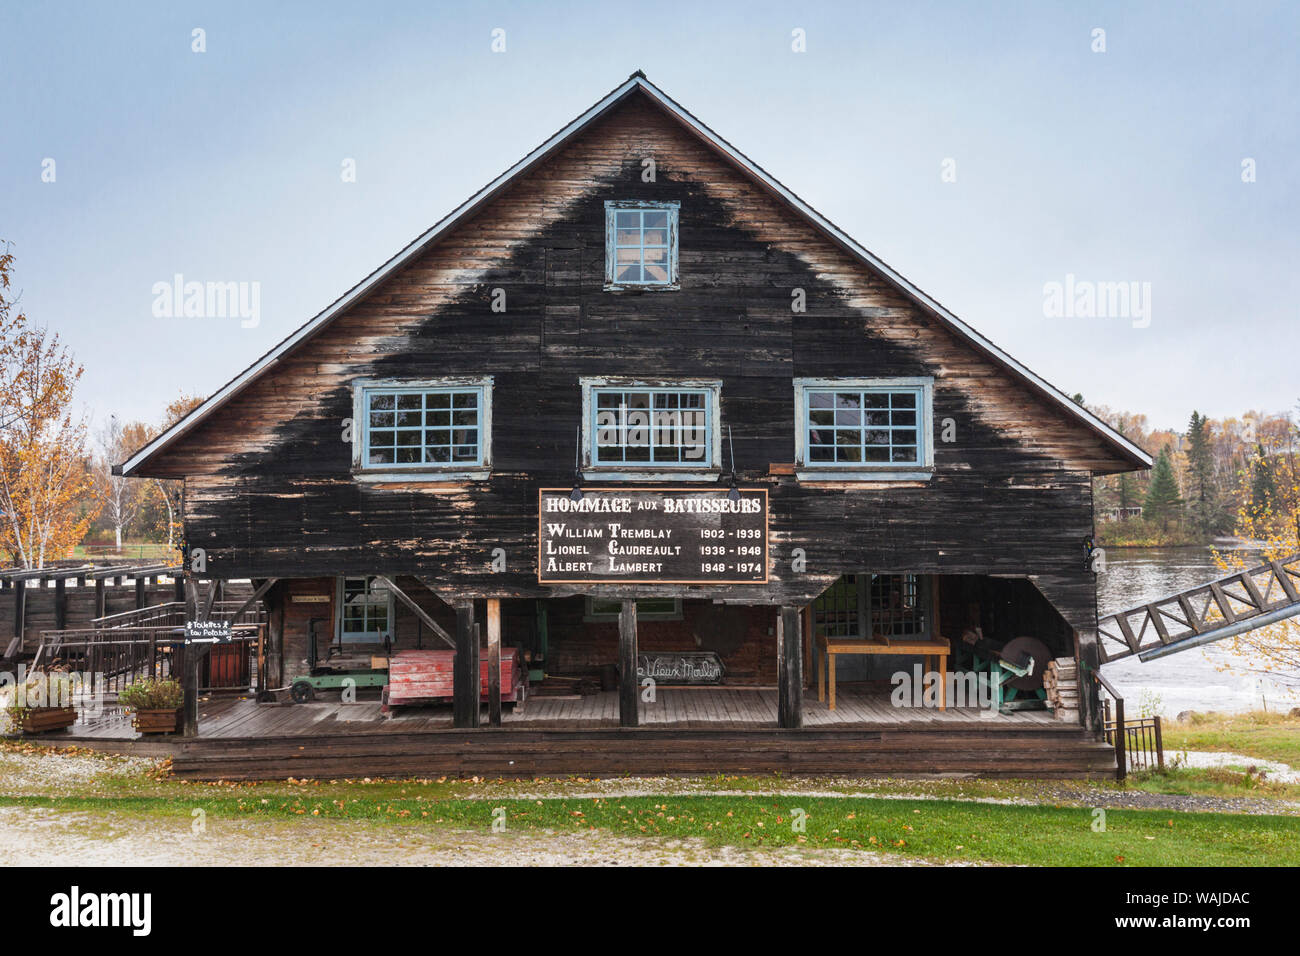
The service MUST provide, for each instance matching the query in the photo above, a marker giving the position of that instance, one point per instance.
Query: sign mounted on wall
(680, 667)
(652, 536)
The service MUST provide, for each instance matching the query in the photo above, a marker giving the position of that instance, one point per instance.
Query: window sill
(660, 476)
(647, 287)
(408, 477)
(892, 474)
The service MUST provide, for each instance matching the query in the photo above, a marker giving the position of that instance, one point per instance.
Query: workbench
(930, 650)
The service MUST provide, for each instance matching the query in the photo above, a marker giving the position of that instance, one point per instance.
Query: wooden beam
(275, 643)
(418, 611)
(20, 609)
(465, 673)
(256, 596)
(141, 596)
(60, 604)
(101, 598)
(789, 669)
(494, 661)
(629, 690)
(212, 597)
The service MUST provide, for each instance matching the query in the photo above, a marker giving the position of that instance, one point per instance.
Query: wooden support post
(20, 610)
(140, 594)
(101, 602)
(274, 678)
(465, 674)
(1087, 663)
(494, 661)
(789, 669)
(178, 583)
(192, 659)
(193, 655)
(60, 604)
(629, 688)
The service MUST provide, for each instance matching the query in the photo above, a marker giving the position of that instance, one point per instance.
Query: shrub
(52, 690)
(150, 694)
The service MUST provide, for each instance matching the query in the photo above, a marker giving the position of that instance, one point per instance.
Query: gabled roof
(636, 82)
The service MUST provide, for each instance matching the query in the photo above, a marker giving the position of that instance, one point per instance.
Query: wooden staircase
(1227, 606)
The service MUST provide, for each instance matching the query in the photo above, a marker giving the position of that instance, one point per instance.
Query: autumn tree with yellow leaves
(44, 479)
(1269, 513)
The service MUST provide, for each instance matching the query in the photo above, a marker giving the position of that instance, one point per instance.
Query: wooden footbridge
(1225, 607)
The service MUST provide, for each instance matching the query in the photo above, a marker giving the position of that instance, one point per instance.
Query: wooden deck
(713, 730)
(714, 708)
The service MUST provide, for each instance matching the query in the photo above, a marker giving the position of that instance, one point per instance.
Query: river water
(1209, 678)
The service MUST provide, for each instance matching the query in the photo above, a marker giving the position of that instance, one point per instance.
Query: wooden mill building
(635, 403)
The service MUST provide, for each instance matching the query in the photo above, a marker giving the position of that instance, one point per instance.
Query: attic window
(641, 245)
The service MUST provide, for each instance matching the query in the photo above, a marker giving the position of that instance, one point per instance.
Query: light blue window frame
(435, 427)
(375, 605)
(704, 394)
(641, 245)
(647, 609)
(853, 422)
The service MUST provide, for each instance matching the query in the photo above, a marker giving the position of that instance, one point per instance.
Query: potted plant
(157, 705)
(43, 703)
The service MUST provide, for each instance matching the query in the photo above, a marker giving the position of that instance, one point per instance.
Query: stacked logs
(1061, 681)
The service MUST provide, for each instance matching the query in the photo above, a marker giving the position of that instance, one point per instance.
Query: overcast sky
(226, 165)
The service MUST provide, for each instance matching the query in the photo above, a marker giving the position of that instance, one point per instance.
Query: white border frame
(598, 472)
(453, 472)
(855, 471)
(612, 207)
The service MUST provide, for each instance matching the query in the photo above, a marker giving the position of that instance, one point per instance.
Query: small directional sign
(208, 632)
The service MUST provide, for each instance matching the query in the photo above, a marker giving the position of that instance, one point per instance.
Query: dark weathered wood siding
(268, 486)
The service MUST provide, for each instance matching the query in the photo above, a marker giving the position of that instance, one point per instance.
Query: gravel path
(41, 837)
(1277, 772)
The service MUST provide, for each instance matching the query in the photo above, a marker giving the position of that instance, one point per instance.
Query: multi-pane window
(896, 607)
(423, 427)
(364, 609)
(647, 609)
(656, 427)
(836, 610)
(893, 604)
(876, 425)
(640, 244)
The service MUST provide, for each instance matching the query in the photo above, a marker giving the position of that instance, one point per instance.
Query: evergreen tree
(1263, 489)
(1163, 500)
(1200, 476)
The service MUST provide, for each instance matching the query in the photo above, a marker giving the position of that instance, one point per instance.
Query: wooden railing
(137, 653)
(1115, 735)
(1137, 743)
(146, 642)
(1143, 747)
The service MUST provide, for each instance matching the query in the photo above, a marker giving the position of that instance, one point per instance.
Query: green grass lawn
(939, 830)
(1269, 736)
(936, 820)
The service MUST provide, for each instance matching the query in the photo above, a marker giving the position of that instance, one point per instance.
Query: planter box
(42, 719)
(158, 721)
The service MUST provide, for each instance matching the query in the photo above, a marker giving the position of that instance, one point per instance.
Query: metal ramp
(1224, 607)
